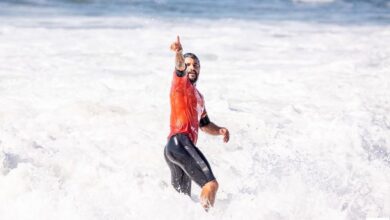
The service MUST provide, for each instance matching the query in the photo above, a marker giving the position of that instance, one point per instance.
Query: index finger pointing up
(177, 39)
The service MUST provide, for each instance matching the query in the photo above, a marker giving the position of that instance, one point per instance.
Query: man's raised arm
(178, 49)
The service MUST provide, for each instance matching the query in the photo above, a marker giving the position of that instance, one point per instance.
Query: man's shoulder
(179, 81)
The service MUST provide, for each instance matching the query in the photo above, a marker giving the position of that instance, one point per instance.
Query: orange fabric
(187, 107)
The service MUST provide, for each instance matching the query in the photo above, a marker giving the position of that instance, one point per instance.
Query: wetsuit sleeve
(180, 73)
(204, 120)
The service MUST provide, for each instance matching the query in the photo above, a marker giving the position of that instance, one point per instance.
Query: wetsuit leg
(182, 152)
(179, 179)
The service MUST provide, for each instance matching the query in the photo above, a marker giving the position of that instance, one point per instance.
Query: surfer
(188, 114)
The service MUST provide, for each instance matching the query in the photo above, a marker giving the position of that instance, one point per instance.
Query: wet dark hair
(193, 56)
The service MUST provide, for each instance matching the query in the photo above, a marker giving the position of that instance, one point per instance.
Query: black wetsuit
(186, 163)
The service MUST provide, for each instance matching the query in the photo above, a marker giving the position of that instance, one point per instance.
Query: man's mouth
(192, 76)
(192, 73)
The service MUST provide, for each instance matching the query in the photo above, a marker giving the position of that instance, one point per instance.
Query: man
(188, 113)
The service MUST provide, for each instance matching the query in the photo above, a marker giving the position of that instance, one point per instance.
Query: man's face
(193, 68)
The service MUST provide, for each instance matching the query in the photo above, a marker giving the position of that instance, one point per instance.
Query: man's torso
(187, 106)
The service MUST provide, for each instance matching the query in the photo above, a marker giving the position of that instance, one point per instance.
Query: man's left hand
(225, 133)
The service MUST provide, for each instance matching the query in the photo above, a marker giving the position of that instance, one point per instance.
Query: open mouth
(192, 73)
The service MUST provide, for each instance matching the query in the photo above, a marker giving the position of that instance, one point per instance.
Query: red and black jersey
(187, 107)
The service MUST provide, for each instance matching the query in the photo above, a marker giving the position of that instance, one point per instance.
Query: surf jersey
(187, 107)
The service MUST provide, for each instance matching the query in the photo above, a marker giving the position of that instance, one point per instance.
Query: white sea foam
(84, 118)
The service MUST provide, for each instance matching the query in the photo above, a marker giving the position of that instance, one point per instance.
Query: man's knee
(213, 185)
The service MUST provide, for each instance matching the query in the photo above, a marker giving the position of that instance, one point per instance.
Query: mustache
(192, 72)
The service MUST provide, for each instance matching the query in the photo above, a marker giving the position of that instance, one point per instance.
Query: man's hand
(179, 59)
(225, 133)
(213, 129)
(176, 46)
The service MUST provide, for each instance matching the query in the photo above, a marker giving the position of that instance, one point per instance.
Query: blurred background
(361, 11)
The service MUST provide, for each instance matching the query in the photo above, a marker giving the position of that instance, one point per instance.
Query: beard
(192, 79)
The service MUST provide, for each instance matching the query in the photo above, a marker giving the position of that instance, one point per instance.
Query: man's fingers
(176, 46)
(225, 133)
(226, 139)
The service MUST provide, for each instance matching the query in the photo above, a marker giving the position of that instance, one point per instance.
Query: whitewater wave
(85, 115)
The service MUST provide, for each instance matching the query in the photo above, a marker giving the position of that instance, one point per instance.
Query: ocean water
(341, 11)
(303, 86)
